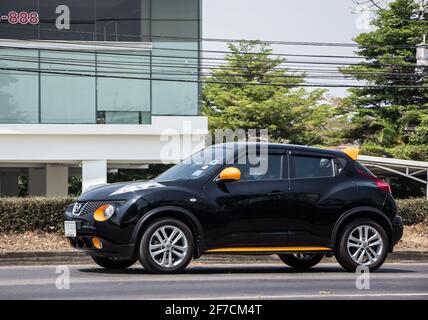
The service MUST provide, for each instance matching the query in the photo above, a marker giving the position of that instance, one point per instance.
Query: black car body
(302, 204)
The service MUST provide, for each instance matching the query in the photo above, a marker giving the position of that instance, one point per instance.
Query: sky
(285, 20)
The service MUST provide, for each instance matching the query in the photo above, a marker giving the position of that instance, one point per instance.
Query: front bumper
(109, 249)
(397, 230)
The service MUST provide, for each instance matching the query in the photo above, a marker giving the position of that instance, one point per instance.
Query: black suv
(241, 198)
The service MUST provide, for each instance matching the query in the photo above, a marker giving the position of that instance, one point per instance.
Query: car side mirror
(229, 174)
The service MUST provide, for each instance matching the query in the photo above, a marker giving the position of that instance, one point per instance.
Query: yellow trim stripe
(268, 249)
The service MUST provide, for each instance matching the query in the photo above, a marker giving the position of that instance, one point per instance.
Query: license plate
(70, 228)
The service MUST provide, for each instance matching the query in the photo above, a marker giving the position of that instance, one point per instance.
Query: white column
(37, 181)
(93, 172)
(56, 180)
(9, 184)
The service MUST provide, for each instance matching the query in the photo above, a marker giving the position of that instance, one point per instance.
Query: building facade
(91, 85)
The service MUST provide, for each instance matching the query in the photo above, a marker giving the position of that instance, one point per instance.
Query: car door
(320, 192)
(253, 210)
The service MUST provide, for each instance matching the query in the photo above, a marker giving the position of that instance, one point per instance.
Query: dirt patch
(33, 241)
(415, 239)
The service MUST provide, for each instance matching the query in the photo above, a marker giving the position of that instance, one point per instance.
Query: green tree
(253, 90)
(389, 114)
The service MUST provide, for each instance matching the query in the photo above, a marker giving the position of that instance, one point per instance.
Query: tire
(372, 253)
(110, 263)
(301, 260)
(161, 251)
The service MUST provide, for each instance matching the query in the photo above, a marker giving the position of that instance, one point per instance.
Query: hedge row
(46, 214)
(413, 210)
(33, 213)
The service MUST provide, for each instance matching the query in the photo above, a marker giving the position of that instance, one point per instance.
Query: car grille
(89, 207)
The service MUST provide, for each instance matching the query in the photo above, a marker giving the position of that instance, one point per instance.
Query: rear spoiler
(352, 152)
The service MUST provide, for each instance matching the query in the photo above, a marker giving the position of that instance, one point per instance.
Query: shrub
(374, 150)
(33, 213)
(413, 210)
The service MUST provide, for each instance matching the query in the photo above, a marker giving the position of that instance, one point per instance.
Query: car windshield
(202, 163)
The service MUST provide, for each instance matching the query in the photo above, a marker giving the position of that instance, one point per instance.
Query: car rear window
(364, 169)
(311, 167)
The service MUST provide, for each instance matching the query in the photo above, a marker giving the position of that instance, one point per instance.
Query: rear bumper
(84, 243)
(397, 230)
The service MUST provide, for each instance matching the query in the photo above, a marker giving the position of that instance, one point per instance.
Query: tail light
(382, 185)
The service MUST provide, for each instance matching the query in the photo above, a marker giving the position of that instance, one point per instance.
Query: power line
(218, 82)
(227, 40)
(187, 71)
(409, 65)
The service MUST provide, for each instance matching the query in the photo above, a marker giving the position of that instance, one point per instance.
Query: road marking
(146, 278)
(305, 296)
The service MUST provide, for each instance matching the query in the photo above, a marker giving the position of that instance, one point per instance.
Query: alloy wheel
(168, 246)
(365, 245)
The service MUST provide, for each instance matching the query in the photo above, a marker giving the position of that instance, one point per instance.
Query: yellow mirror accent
(230, 174)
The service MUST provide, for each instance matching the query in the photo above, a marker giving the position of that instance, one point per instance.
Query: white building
(86, 86)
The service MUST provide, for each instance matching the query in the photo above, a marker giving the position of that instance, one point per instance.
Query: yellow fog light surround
(97, 243)
(104, 212)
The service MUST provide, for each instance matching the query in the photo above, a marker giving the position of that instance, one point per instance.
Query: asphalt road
(214, 281)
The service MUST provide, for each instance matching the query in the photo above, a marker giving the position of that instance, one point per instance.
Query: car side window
(311, 167)
(267, 168)
(339, 165)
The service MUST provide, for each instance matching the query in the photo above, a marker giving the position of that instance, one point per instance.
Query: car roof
(283, 146)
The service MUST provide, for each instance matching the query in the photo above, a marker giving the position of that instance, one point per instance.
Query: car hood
(104, 191)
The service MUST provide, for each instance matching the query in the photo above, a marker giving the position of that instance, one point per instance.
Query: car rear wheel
(111, 263)
(362, 242)
(166, 246)
(301, 260)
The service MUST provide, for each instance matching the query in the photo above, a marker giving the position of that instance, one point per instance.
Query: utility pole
(422, 56)
(422, 48)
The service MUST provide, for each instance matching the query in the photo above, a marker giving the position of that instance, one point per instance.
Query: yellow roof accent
(350, 151)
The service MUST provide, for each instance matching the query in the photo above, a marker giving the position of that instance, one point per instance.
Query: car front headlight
(132, 187)
(104, 212)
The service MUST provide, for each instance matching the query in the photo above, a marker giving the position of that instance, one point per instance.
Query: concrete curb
(77, 257)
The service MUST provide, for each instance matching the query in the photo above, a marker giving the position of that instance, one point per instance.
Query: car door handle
(275, 194)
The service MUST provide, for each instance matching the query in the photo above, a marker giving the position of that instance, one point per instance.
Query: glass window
(174, 98)
(202, 163)
(311, 167)
(174, 29)
(260, 167)
(116, 94)
(123, 20)
(67, 20)
(339, 165)
(173, 9)
(16, 107)
(364, 169)
(68, 98)
(122, 117)
(172, 60)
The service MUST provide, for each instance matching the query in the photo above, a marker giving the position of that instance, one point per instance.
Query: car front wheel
(301, 260)
(166, 246)
(362, 242)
